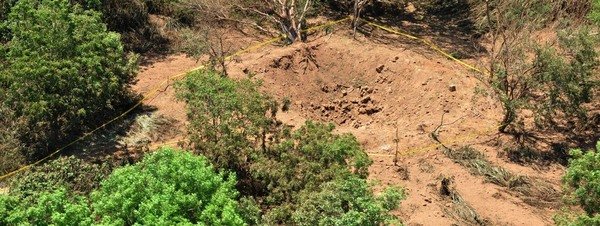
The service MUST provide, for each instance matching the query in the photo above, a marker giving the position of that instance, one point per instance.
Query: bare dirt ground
(383, 92)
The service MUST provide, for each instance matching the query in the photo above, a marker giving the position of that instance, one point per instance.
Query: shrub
(301, 164)
(568, 79)
(54, 208)
(581, 184)
(227, 118)
(73, 174)
(582, 179)
(64, 71)
(168, 187)
(347, 202)
(555, 85)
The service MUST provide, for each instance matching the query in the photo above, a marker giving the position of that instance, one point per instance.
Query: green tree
(58, 207)
(168, 187)
(64, 71)
(227, 118)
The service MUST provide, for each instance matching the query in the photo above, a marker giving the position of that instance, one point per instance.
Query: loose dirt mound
(384, 93)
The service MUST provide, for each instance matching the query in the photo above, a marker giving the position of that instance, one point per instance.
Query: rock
(362, 111)
(386, 148)
(410, 8)
(380, 68)
(365, 99)
(369, 110)
(346, 108)
(452, 88)
(329, 107)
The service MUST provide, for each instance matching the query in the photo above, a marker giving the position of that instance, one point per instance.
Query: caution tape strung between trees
(155, 91)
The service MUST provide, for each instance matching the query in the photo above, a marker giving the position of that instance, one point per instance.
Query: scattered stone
(329, 107)
(386, 148)
(369, 110)
(452, 88)
(347, 108)
(410, 8)
(365, 99)
(365, 90)
(380, 68)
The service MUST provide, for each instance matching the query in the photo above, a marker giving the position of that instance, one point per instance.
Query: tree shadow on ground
(450, 28)
(526, 150)
(107, 142)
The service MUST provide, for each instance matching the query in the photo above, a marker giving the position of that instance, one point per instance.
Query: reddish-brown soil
(383, 92)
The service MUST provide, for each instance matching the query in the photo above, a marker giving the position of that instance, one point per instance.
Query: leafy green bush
(64, 71)
(73, 174)
(347, 202)
(313, 152)
(58, 207)
(581, 184)
(227, 118)
(168, 187)
(582, 179)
